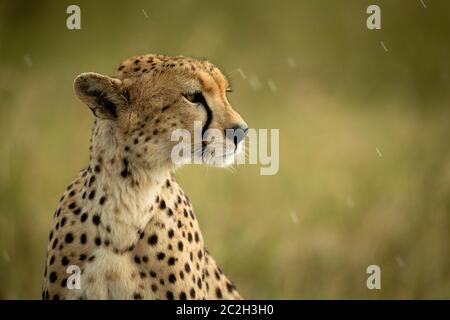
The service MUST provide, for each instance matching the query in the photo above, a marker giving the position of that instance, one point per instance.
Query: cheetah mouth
(206, 151)
(222, 159)
(215, 153)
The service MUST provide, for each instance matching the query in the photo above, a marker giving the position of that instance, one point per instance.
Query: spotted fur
(124, 221)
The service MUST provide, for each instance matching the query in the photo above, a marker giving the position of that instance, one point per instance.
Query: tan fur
(124, 221)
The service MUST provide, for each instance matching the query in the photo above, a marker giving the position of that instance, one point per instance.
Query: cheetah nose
(236, 133)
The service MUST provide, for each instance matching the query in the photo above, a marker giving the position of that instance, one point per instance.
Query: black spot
(169, 295)
(171, 261)
(52, 260)
(83, 238)
(65, 261)
(125, 172)
(170, 233)
(64, 283)
(72, 205)
(137, 296)
(180, 245)
(91, 181)
(145, 259)
(96, 219)
(187, 267)
(153, 239)
(53, 277)
(192, 293)
(91, 195)
(218, 293)
(82, 257)
(102, 200)
(162, 205)
(84, 216)
(137, 259)
(98, 241)
(172, 278)
(161, 255)
(68, 238)
(183, 296)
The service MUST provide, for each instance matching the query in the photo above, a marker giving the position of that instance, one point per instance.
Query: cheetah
(124, 222)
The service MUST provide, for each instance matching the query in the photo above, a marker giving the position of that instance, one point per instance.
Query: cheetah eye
(196, 97)
(229, 90)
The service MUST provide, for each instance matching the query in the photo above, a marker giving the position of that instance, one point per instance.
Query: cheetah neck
(119, 191)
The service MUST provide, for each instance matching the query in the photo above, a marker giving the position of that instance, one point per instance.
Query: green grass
(336, 205)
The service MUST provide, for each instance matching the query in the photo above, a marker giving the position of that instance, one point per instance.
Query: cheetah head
(151, 96)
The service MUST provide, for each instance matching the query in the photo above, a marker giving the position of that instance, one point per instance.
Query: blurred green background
(364, 137)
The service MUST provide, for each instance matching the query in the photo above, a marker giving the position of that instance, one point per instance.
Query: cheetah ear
(102, 94)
